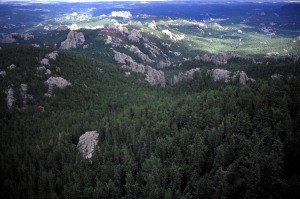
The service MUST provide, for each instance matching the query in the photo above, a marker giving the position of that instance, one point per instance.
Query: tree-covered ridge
(198, 139)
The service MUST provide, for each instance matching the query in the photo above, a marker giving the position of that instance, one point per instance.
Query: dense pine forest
(198, 139)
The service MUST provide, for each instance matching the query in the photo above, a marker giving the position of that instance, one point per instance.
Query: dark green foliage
(196, 140)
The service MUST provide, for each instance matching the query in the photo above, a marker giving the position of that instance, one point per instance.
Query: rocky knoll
(87, 143)
(217, 75)
(222, 58)
(74, 39)
(56, 81)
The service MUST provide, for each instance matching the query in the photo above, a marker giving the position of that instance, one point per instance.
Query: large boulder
(74, 39)
(2, 73)
(220, 75)
(87, 143)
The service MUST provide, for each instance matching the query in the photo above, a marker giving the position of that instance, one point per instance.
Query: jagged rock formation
(56, 81)
(10, 98)
(122, 58)
(134, 35)
(87, 143)
(45, 62)
(217, 75)
(11, 67)
(52, 55)
(154, 50)
(124, 14)
(173, 36)
(153, 76)
(188, 75)
(2, 73)
(220, 75)
(73, 40)
(222, 58)
(152, 25)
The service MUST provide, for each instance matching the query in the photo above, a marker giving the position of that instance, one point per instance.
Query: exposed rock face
(155, 77)
(73, 40)
(52, 55)
(222, 58)
(152, 25)
(122, 58)
(154, 50)
(217, 75)
(10, 98)
(124, 14)
(220, 75)
(108, 40)
(11, 67)
(142, 56)
(134, 35)
(45, 62)
(2, 73)
(87, 143)
(8, 39)
(56, 81)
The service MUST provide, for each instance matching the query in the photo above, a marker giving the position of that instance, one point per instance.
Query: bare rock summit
(74, 39)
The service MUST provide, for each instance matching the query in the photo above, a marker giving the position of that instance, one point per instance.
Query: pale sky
(149, 0)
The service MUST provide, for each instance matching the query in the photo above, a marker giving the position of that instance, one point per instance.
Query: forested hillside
(198, 139)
